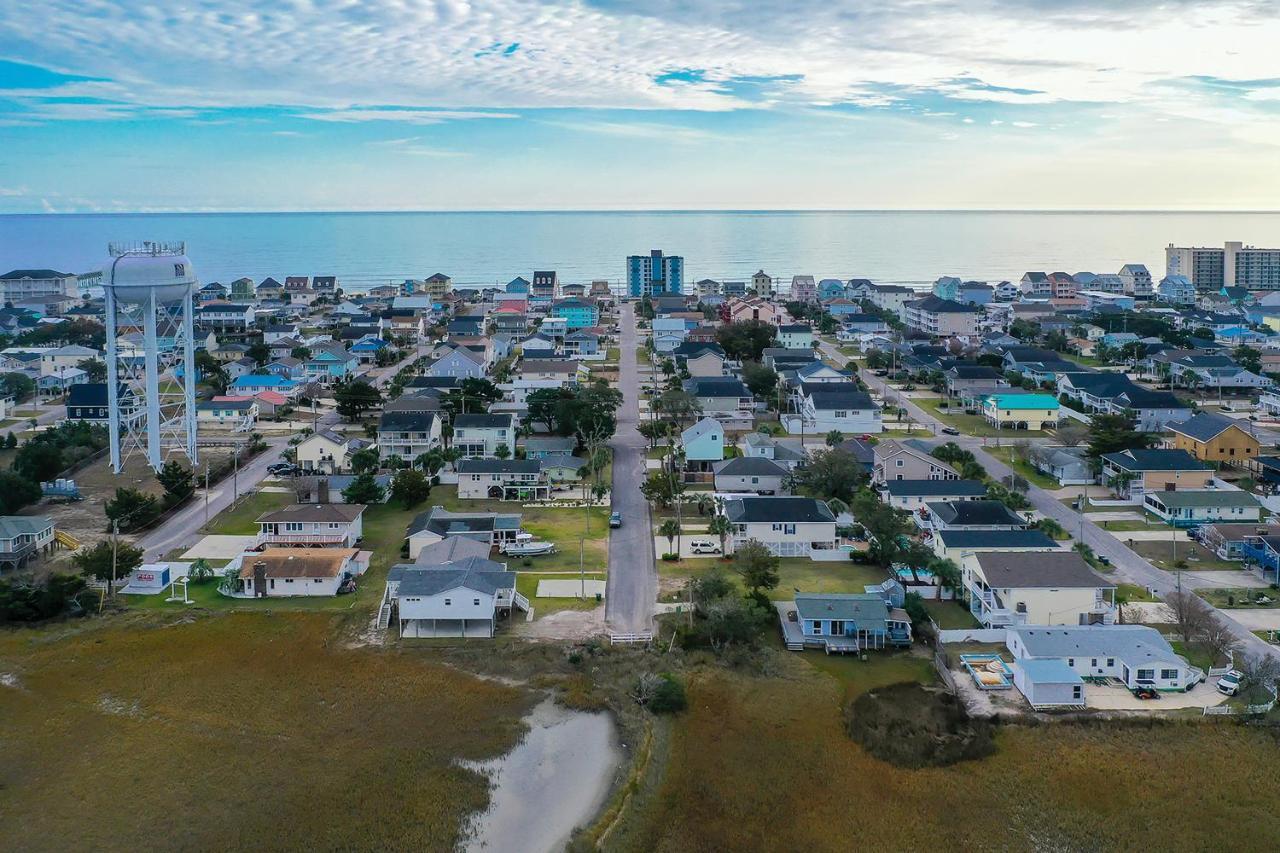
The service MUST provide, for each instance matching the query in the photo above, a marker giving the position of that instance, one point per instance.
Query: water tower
(152, 397)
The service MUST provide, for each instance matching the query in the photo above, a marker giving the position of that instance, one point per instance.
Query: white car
(704, 546)
(1229, 684)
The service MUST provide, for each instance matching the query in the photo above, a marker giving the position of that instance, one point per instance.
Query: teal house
(577, 313)
(1021, 411)
(703, 443)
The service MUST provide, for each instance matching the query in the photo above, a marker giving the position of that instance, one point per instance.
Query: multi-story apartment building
(942, 317)
(23, 284)
(1234, 265)
(1137, 280)
(545, 285)
(655, 274)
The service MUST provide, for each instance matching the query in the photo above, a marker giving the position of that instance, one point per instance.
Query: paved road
(1129, 566)
(633, 578)
(182, 529)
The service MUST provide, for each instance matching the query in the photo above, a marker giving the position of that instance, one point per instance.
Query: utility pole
(582, 578)
(206, 492)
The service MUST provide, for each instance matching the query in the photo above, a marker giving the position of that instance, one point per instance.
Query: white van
(704, 546)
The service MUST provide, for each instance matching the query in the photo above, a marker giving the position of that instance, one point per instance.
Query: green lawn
(1121, 526)
(793, 572)
(613, 354)
(527, 585)
(1010, 458)
(1166, 553)
(1129, 592)
(1240, 599)
(1195, 653)
(561, 526)
(239, 520)
(950, 614)
(971, 424)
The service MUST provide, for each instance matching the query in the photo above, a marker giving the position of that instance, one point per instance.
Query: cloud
(408, 116)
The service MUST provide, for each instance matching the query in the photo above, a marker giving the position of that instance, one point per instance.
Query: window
(476, 602)
(899, 463)
(288, 580)
(1169, 674)
(1071, 661)
(448, 602)
(1146, 674)
(1093, 662)
(316, 580)
(1077, 692)
(1111, 661)
(293, 526)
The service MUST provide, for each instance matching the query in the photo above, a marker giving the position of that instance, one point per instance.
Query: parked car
(704, 546)
(882, 373)
(282, 469)
(615, 519)
(950, 431)
(1229, 684)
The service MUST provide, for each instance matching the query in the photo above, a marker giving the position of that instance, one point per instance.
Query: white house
(849, 411)
(408, 434)
(1191, 507)
(329, 525)
(787, 526)
(1135, 654)
(795, 336)
(327, 452)
(465, 598)
(439, 524)
(502, 479)
(237, 414)
(750, 474)
(288, 572)
(481, 435)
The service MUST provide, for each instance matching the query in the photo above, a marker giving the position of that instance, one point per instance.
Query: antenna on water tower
(150, 286)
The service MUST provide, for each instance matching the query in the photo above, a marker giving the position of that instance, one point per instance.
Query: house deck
(794, 639)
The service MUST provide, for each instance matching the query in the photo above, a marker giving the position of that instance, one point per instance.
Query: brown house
(1212, 437)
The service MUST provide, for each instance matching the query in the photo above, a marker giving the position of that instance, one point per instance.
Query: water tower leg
(154, 439)
(113, 380)
(189, 374)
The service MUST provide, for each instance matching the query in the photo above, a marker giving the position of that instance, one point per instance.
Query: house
(238, 413)
(787, 526)
(480, 435)
(1176, 290)
(577, 313)
(502, 479)
(330, 363)
(1132, 473)
(912, 495)
(88, 402)
(854, 325)
(958, 543)
(843, 622)
(328, 525)
(1229, 541)
(287, 368)
(1192, 508)
(581, 343)
(703, 442)
(803, 289)
(257, 383)
(896, 460)
(965, 377)
(787, 452)
(1135, 654)
(327, 452)
(942, 317)
(971, 515)
(700, 359)
(1211, 437)
(464, 598)
(890, 297)
(1021, 411)
(818, 372)
(796, 336)
(290, 572)
(23, 538)
(408, 434)
(842, 408)
(224, 317)
(458, 362)
(722, 397)
(541, 447)
(438, 524)
(1057, 588)
(748, 474)
(1068, 465)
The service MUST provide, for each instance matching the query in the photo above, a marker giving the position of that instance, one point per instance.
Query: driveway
(633, 578)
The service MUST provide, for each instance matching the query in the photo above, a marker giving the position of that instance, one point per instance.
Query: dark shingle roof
(1204, 426)
(499, 466)
(474, 573)
(934, 488)
(827, 401)
(1155, 460)
(481, 421)
(749, 466)
(1060, 570)
(969, 513)
(995, 539)
(788, 509)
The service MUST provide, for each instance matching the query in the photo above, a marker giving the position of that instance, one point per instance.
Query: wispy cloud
(407, 116)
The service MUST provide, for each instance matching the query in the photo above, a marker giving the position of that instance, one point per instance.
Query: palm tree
(430, 462)
(670, 529)
(834, 438)
(704, 503)
(719, 526)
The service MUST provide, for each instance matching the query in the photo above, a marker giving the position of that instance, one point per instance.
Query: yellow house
(1211, 437)
(1050, 589)
(1021, 411)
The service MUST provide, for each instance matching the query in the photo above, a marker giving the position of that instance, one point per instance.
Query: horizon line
(663, 211)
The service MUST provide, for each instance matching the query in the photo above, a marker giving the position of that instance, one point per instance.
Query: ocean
(479, 248)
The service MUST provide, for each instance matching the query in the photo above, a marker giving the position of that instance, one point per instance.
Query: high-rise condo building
(1234, 265)
(655, 274)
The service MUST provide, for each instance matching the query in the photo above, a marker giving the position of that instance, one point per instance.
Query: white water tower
(150, 287)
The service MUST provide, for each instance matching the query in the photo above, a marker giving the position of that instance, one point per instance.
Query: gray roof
(1204, 426)
(703, 427)
(1204, 498)
(445, 523)
(481, 421)
(828, 401)
(13, 526)
(450, 550)
(550, 444)
(975, 513)
(995, 539)
(777, 509)
(1058, 570)
(314, 512)
(862, 608)
(499, 466)
(935, 488)
(475, 573)
(1155, 460)
(1133, 644)
(749, 466)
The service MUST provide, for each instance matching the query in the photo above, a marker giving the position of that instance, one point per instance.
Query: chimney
(260, 579)
(322, 490)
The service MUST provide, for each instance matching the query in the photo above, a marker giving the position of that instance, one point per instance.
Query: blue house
(830, 288)
(256, 382)
(366, 349)
(519, 284)
(330, 363)
(844, 622)
(578, 313)
(703, 442)
(1265, 551)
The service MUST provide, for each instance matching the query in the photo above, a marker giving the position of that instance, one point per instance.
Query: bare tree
(1260, 670)
(1218, 640)
(1190, 614)
(1071, 434)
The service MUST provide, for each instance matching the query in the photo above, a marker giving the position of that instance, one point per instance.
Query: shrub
(909, 725)
(668, 697)
(670, 558)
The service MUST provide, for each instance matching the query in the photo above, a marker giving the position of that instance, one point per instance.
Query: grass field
(238, 731)
(240, 519)
(1165, 554)
(527, 585)
(1240, 599)
(755, 761)
(1010, 458)
(950, 614)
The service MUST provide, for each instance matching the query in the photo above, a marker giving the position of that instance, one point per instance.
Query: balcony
(987, 609)
(302, 538)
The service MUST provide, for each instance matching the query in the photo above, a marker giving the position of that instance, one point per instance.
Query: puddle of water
(554, 781)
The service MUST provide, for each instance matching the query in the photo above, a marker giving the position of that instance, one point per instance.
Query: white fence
(616, 639)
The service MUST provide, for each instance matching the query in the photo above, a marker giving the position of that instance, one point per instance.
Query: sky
(667, 104)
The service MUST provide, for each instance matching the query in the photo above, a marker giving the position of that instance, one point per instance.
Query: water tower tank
(138, 271)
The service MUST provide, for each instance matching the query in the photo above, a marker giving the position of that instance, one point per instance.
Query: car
(1105, 560)
(615, 519)
(950, 431)
(282, 469)
(1229, 684)
(704, 546)
(882, 373)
